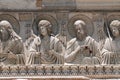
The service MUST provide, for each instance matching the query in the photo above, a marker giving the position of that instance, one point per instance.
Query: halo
(45, 17)
(13, 21)
(113, 17)
(110, 18)
(86, 19)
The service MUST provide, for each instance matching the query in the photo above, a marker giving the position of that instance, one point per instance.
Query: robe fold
(39, 56)
(111, 51)
(88, 56)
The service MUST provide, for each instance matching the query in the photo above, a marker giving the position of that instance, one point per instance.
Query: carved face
(115, 31)
(80, 31)
(43, 30)
(4, 34)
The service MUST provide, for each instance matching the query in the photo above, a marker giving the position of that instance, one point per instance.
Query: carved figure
(11, 46)
(83, 49)
(111, 47)
(46, 49)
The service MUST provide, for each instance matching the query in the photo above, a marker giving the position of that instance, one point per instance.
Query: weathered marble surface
(25, 15)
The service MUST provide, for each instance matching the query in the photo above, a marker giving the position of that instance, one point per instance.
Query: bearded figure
(11, 46)
(83, 49)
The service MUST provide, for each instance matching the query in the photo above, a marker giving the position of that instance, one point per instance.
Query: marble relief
(48, 53)
(111, 48)
(49, 48)
(11, 45)
(46, 49)
(82, 49)
(59, 39)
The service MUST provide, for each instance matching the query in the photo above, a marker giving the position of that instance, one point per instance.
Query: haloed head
(115, 28)
(5, 30)
(45, 27)
(80, 29)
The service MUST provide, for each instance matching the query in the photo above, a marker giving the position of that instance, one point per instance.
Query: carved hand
(85, 47)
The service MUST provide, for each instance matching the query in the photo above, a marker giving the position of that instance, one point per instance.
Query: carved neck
(81, 38)
(46, 37)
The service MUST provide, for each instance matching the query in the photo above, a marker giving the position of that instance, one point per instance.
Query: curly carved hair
(46, 24)
(82, 23)
(115, 23)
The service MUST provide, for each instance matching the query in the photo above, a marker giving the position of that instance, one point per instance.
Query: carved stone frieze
(58, 70)
(61, 43)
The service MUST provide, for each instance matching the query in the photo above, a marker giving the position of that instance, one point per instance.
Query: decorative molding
(91, 71)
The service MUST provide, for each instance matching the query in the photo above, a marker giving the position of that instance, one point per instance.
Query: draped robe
(111, 51)
(44, 57)
(13, 45)
(88, 56)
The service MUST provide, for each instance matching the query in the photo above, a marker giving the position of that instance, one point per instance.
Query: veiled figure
(11, 46)
(46, 49)
(83, 49)
(111, 47)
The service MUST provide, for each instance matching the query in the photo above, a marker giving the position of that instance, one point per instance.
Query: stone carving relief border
(91, 71)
